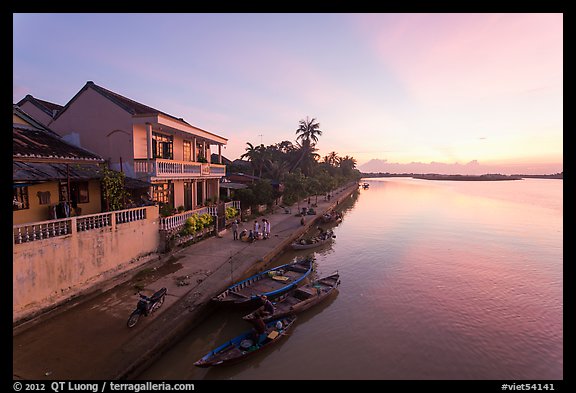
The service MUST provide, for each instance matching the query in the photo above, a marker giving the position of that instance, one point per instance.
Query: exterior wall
(49, 271)
(140, 146)
(94, 204)
(102, 126)
(38, 212)
(36, 113)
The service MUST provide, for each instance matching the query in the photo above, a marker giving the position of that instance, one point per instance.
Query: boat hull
(301, 299)
(272, 283)
(246, 344)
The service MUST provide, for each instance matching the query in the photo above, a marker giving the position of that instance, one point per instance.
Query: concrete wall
(51, 271)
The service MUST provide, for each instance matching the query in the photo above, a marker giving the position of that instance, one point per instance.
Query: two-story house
(145, 143)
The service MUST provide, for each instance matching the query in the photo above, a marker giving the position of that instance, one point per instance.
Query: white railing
(178, 220)
(93, 221)
(64, 226)
(42, 230)
(234, 204)
(129, 215)
(160, 167)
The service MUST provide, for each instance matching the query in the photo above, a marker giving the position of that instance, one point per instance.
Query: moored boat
(247, 343)
(324, 237)
(272, 283)
(331, 217)
(300, 298)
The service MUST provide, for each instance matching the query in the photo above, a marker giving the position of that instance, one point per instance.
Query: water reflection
(438, 281)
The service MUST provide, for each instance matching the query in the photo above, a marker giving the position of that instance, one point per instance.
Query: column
(148, 146)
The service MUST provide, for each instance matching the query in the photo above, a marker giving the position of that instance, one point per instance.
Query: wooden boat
(247, 343)
(316, 241)
(272, 283)
(332, 217)
(300, 298)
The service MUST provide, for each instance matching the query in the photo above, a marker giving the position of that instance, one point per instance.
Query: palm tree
(256, 156)
(308, 133)
(332, 158)
(308, 130)
(347, 165)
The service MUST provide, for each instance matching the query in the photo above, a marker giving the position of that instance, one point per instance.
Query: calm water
(440, 280)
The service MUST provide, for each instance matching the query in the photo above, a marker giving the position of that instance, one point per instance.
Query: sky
(454, 91)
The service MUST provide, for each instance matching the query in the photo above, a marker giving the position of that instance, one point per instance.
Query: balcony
(173, 169)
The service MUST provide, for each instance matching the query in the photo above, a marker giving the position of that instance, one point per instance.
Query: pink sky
(448, 88)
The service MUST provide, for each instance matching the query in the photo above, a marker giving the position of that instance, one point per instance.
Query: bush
(195, 223)
(231, 212)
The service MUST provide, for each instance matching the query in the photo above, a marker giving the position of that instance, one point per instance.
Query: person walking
(235, 229)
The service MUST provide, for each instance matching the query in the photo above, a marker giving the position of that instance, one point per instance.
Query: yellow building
(51, 177)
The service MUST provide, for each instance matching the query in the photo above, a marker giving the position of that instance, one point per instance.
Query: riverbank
(91, 340)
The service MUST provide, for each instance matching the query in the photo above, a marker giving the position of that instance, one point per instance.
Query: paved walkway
(89, 340)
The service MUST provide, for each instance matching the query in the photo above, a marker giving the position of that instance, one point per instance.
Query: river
(440, 280)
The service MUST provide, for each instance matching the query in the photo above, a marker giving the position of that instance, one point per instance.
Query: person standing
(235, 229)
(267, 229)
(256, 229)
(264, 233)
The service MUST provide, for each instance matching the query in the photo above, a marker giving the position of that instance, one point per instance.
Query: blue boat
(272, 283)
(247, 343)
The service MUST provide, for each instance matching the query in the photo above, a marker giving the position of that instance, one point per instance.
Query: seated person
(267, 307)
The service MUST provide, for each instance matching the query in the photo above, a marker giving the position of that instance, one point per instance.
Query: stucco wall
(103, 127)
(49, 271)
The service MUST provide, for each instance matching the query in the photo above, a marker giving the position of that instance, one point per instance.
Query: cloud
(471, 168)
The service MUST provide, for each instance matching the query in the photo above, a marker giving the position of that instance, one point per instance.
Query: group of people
(260, 231)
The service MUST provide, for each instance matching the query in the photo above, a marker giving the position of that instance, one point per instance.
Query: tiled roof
(37, 172)
(37, 141)
(130, 106)
(46, 106)
(33, 172)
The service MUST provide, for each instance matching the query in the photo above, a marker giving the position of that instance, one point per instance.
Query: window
(187, 151)
(79, 192)
(43, 197)
(20, 201)
(162, 146)
(162, 192)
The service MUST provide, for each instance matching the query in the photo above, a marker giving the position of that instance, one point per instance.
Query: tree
(347, 165)
(256, 156)
(308, 133)
(295, 188)
(113, 189)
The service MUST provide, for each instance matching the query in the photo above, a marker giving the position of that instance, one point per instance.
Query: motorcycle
(146, 305)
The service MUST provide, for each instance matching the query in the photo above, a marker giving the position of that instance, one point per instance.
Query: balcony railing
(160, 167)
(65, 226)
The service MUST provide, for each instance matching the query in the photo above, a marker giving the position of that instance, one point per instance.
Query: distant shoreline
(486, 177)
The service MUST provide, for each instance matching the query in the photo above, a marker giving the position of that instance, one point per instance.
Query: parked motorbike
(146, 305)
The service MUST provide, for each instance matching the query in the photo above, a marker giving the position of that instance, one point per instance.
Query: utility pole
(260, 135)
